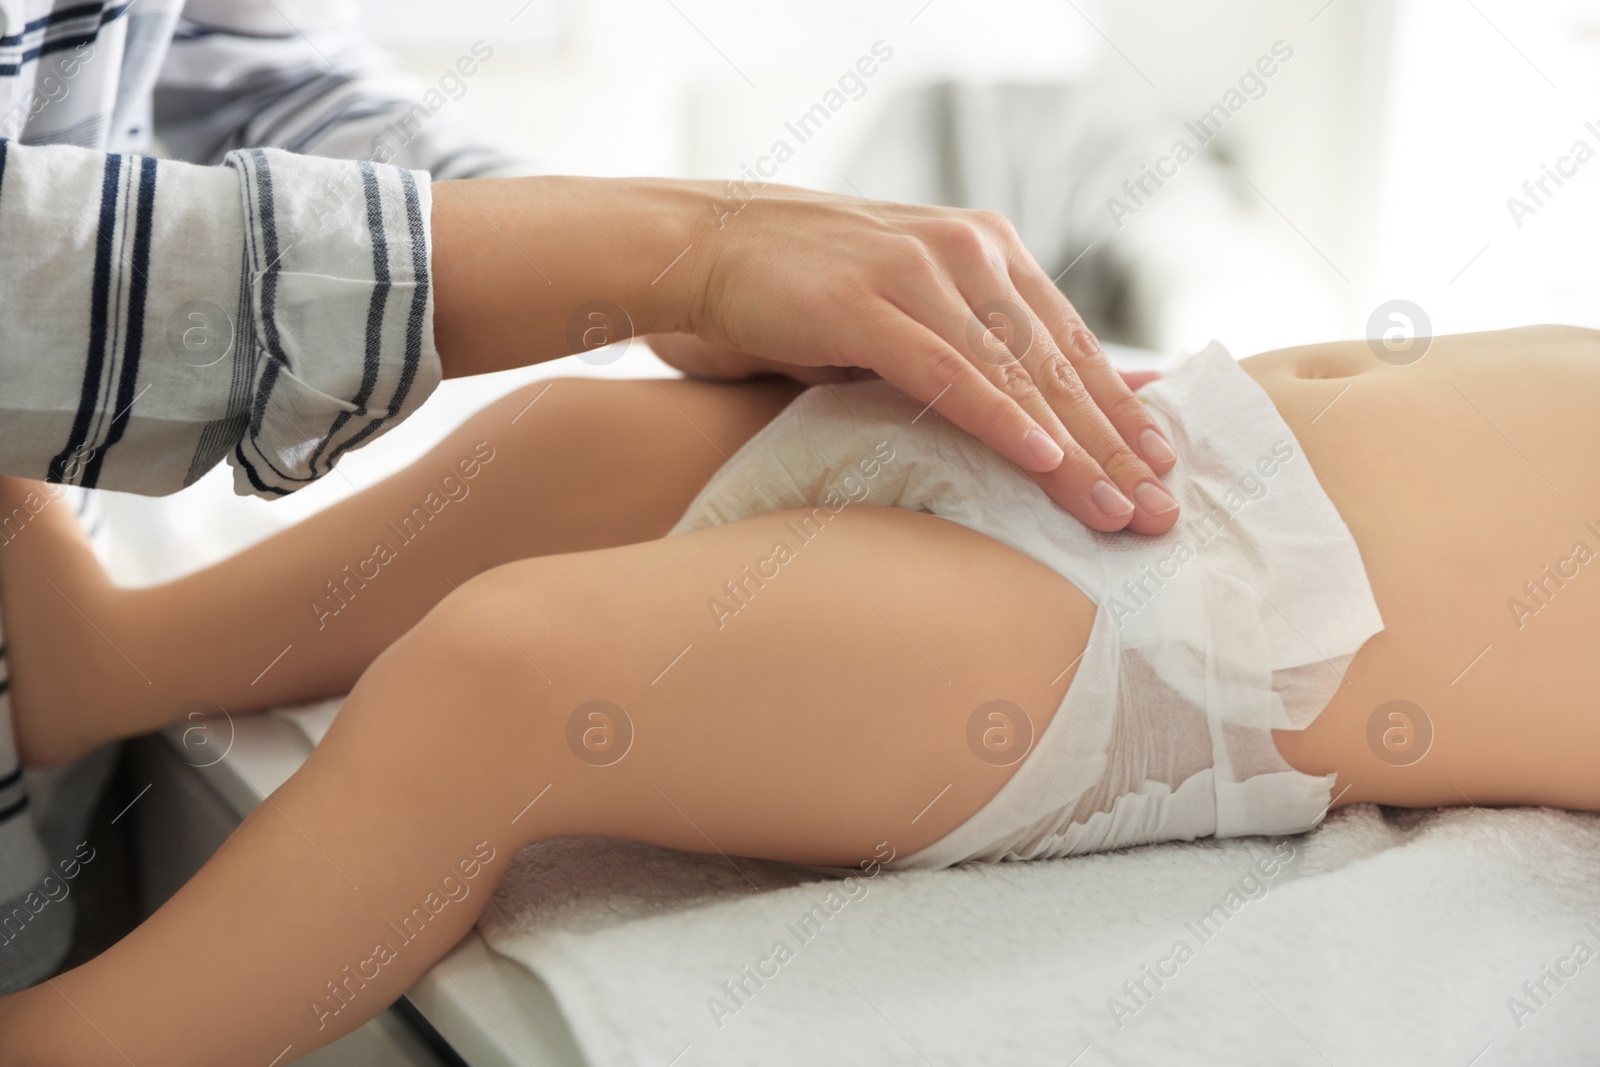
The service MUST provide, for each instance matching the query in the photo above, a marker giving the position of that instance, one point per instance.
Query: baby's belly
(1471, 481)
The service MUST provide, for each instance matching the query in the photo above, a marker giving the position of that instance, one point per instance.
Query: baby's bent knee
(477, 664)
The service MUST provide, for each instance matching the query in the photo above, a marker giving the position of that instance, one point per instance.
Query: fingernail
(1084, 342)
(1155, 448)
(1109, 501)
(1045, 453)
(1153, 498)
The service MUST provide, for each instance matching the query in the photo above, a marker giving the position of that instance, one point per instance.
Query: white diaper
(1238, 621)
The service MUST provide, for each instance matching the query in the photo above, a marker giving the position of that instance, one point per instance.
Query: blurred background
(1342, 153)
(1376, 162)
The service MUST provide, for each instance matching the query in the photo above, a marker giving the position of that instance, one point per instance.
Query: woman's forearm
(531, 269)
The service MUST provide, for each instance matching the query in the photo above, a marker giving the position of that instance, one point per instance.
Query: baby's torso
(1471, 481)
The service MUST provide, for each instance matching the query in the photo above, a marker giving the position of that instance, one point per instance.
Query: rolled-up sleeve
(158, 317)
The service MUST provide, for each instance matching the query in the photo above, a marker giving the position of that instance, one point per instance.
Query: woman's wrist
(531, 269)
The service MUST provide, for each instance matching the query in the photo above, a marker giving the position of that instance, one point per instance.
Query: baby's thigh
(799, 692)
(588, 462)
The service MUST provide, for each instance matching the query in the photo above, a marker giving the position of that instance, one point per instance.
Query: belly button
(1328, 365)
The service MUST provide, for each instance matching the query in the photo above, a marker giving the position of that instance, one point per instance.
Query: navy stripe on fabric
(133, 346)
(60, 15)
(11, 781)
(419, 295)
(414, 322)
(94, 365)
(258, 410)
(9, 813)
(267, 225)
(250, 472)
(372, 359)
(189, 30)
(294, 103)
(349, 112)
(219, 435)
(269, 381)
(61, 44)
(102, 408)
(253, 255)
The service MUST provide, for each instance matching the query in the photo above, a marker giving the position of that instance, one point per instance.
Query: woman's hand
(713, 363)
(949, 306)
(944, 303)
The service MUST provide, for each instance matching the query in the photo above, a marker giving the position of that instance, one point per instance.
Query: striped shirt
(260, 294)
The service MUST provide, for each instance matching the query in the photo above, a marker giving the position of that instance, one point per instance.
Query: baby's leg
(827, 721)
(557, 467)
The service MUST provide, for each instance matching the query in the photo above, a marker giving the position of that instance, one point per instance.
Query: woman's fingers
(947, 380)
(926, 366)
(962, 291)
(1156, 509)
(1109, 462)
(1101, 466)
(1108, 392)
(1009, 344)
(996, 337)
(1065, 383)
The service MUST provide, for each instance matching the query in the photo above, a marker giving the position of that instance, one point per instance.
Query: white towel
(1382, 937)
